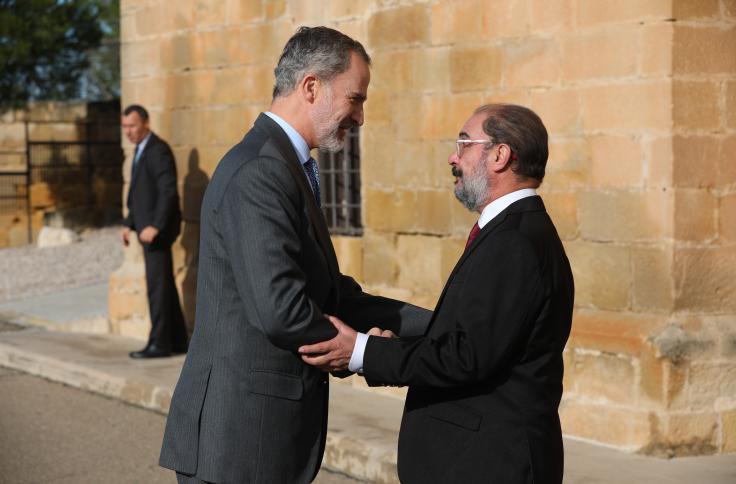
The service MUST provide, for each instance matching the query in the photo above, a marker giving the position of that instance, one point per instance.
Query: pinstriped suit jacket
(246, 408)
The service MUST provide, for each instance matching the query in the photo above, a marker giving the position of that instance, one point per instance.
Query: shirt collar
(143, 143)
(297, 141)
(500, 204)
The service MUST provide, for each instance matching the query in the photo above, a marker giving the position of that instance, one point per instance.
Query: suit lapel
(525, 204)
(286, 149)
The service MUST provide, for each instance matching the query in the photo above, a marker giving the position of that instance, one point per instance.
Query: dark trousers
(168, 330)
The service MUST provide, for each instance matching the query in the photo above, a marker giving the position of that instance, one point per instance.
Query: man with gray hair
(246, 408)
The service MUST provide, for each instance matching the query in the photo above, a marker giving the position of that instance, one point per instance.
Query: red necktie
(473, 232)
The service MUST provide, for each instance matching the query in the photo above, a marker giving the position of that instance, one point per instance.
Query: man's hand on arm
(126, 236)
(334, 354)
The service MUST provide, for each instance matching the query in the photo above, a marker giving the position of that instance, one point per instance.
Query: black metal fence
(64, 175)
(77, 173)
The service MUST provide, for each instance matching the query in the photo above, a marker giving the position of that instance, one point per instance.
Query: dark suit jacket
(246, 408)
(485, 381)
(152, 196)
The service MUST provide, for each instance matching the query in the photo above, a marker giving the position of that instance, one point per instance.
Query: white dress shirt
(489, 213)
(297, 141)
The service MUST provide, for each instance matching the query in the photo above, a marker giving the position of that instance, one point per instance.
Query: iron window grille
(340, 187)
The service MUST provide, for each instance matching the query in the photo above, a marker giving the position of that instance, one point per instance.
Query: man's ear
(308, 88)
(503, 159)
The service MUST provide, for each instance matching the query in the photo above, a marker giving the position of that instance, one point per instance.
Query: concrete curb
(142, 394)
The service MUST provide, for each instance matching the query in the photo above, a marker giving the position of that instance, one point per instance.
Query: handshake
(335, 354)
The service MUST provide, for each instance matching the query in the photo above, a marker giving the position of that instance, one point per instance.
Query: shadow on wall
(195, 183)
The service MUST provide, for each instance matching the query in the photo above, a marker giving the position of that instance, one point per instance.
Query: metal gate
(63, 175)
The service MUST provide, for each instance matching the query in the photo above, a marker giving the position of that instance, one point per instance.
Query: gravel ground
(29, 271)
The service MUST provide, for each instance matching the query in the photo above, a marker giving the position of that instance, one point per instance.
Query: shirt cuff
(356, 360)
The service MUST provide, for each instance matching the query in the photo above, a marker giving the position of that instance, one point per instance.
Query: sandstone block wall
(639, 100)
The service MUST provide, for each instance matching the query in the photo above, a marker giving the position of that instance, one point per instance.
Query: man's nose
(359, 116)
(453, 158)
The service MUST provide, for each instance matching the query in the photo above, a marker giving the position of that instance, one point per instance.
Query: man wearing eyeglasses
(485, 380)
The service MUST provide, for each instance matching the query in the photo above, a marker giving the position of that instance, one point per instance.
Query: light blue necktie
(312, 171)
(136, 156)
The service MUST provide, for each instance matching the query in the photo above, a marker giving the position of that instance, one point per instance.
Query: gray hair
(321, 51)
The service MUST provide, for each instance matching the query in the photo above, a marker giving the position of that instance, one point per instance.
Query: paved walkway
(362, 427)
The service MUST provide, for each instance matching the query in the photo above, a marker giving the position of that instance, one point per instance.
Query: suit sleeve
(163, 171)
(259, 219)
(363, 311)
(497, 303)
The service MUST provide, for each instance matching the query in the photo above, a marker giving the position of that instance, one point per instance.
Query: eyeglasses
(460, 144)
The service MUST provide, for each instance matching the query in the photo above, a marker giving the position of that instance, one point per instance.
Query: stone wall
(639, 99)
(52, 121)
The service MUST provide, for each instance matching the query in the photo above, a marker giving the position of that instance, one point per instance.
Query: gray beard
(473, 189)
(329, 141)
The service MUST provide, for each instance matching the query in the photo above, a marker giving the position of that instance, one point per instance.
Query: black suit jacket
(485, 381)
(246, 408)
(152, 196)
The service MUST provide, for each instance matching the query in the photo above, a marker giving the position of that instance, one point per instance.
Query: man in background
(485, 379)
(154, 214)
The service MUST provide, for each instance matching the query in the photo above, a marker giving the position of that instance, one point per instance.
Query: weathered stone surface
(626, 216)
(563, 210)
(727, 218)
(456, 21)
(568, 164)
(399, 26)
(421, 263)
(616, 161)
(504, 19)
(602, 275)
(606, 53)
(532, 62)
(380, 261)
(349, 252)
(592, 420)
(631, 106)
(603, 376)
(551, 15)
(695, 218)
(653, 287)
(704, 49)
(728, 429)
(704, 279)
(596, 14)
(730, 111)
(685, 434)
(678, 345)
(655, 45)
(696, 104)
(475, 68)
(614, 332)
(695, 161)
(558, 108)
(687, 10)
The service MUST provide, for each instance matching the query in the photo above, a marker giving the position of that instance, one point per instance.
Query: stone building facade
(639, 98)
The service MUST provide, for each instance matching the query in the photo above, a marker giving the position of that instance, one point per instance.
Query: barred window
(340, 186)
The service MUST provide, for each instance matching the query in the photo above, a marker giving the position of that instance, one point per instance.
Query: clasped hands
(335, 354)
(146, 236)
